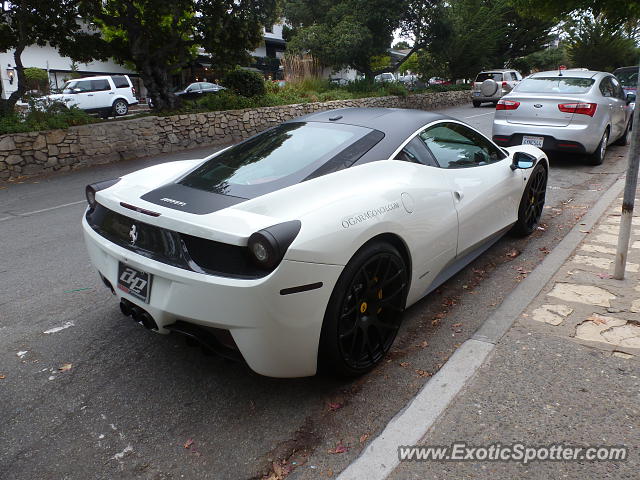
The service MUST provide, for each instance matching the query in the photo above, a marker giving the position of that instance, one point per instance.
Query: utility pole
(629, 197)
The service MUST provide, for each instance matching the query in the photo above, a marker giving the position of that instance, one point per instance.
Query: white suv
(492, 85)
(107, 95)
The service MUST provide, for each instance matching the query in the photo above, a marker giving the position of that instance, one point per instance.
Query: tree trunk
(7, 106)
(157, 83)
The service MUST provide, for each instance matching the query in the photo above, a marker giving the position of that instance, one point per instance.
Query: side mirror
(631, 98)
(523, 161)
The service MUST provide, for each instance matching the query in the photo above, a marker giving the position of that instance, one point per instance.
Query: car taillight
(133, 90)
(507, 105)
(581, 108)
(504, 84)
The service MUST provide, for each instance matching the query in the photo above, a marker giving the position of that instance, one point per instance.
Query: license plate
(134, 282)
(535, 141)
(476, 94)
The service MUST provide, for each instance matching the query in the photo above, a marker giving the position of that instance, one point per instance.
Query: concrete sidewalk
(566, 372)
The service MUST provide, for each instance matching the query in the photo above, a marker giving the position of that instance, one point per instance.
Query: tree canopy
(343, 33)
(35, 22)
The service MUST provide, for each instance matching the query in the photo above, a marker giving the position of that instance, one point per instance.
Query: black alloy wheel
(532, 203)
(365, 310)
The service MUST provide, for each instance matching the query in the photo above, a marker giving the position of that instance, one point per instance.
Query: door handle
(112, 93)
(458, 195)
(90, 95)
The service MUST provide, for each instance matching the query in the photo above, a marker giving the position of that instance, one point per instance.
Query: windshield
(555, 85)
(282, 156)
(628, 77)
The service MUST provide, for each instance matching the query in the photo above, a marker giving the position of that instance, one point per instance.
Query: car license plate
(134, 282)
(476, 94)
(535, 141)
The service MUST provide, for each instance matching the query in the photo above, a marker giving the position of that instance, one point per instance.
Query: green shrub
(47, 116)
(396, 89)
(244, 82)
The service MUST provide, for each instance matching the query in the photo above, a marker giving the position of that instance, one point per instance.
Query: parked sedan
(575, 111)
(194, 91)
(304, 244)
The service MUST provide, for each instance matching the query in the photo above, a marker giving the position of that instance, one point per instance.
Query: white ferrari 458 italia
(300, 247)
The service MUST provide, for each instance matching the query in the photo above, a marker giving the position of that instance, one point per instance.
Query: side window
(518, 76)
(455, 146)
(100, 85)
(416, 152)
(120, 81)
(606, 88)
(508, 77)
(82, 86)
(194, 87)
(619, 92)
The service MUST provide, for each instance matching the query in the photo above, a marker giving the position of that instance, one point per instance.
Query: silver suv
(492, 85)
(108, 95)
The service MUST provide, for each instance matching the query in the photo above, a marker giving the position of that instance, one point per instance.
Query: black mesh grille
(173, 248)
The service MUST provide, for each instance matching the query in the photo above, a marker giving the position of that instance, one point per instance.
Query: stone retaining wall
(34, 153)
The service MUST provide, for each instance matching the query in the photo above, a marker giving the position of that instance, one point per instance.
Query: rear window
(497, 76)
(555, 85)
(282, 156)
(120, 81)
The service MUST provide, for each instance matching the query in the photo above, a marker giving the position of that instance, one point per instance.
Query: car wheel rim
(603, 145)
(535, 198)
(121, 108)
(370, 312)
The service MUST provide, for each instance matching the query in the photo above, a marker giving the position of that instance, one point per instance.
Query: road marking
(480, 115)
(27, 214)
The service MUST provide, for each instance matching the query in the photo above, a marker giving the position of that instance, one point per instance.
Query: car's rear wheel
(476, 104)
(532, 202)
(597, 157)
(624, 139)
(120, 107)
(365, 311)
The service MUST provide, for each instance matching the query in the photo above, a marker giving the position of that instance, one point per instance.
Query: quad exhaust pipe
(138, 315)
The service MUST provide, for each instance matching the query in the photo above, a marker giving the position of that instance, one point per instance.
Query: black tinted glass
(282, 156)
(99, 85)
(120, 81)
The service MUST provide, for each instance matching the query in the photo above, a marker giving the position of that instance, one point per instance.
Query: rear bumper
(482, 98)
(276, 334)
(570, 138)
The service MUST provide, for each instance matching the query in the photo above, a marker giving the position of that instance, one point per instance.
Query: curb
(412, 423)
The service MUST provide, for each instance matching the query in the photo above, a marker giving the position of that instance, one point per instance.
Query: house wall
(34, 153)
(58, 66)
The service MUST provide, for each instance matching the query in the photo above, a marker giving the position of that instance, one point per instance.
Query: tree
(401, 45)
(159, 38)
(343, 33)
(598, 44)
(466, 36)
(35, 22)
(614, 10)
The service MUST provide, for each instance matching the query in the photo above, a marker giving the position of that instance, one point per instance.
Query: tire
(597, 157)
(476, 104)
(364, 312)
(120, 108)
(532, 203)
(623, 141)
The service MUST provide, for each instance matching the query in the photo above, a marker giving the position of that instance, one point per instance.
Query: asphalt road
(103, 398)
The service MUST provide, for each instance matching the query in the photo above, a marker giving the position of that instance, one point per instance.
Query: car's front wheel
(365, 311)
(532, 203)
(120, 107)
